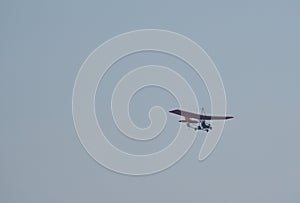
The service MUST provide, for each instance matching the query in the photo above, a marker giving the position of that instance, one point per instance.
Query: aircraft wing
(199, 116)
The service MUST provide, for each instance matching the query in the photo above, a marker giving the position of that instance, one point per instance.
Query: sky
(255, 46)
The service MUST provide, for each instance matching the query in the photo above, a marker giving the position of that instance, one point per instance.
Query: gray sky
(255, 46)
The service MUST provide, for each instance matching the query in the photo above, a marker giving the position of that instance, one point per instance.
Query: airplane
(198, 121)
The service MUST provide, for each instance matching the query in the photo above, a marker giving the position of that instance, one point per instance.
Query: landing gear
(199, 127)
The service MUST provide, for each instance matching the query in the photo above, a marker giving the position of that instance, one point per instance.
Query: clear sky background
(255, 46)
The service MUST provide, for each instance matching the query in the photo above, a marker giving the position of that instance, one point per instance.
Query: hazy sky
(255, 46)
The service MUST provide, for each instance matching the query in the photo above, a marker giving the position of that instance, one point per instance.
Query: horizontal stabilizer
(189, 121)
